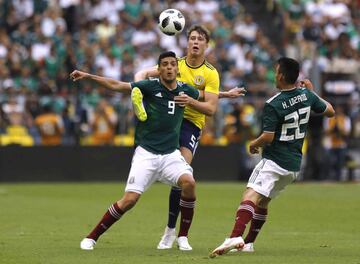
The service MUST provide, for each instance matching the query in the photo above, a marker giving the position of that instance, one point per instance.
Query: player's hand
(307, 84)
(236, 92)
(183, 100)
(254, 149)
(78, 75)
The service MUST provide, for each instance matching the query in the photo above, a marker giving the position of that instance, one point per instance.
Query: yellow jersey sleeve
(213, 82)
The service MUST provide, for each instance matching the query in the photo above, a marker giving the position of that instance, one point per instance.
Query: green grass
(44, 223)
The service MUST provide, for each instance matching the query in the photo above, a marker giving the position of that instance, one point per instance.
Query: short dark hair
(202, 30)
(289, 68)
(166, 54)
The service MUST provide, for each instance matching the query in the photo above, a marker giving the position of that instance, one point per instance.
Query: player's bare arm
(233, 93)
(208, 107)
(108, 83)
(146, 73)
(153, 72)
(264, 139)
(329, 111)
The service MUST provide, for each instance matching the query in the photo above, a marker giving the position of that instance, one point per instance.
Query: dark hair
(166, 54)
(289, 68)
(203, 31)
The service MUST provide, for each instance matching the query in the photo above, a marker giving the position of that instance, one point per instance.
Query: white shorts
(269, 179)
(147, 167)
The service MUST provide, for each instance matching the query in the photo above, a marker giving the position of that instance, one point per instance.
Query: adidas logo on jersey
(159, 94)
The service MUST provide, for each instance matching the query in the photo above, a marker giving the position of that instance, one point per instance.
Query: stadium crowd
(42, 41)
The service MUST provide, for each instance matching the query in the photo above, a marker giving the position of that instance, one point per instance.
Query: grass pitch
(307, 223)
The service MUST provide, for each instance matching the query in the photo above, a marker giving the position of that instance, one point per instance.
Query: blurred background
(42, 41)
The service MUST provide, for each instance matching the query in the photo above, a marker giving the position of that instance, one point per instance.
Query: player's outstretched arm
(146, 73)
(233, 93)
(108, 83)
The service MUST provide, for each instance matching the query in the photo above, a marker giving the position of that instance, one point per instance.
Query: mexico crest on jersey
(199, 80)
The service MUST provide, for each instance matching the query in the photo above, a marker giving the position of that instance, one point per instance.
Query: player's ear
(281, 77)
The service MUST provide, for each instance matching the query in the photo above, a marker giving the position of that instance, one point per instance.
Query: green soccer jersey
(287, 115)
(160, 133)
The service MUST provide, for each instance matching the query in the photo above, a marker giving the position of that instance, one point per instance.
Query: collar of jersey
(291, 90)
(167, 89)
(192, 66)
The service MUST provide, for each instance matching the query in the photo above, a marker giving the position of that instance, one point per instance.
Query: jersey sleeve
(143, 85)
(213, 82)
(318, 105)
(270, 118)
(192, 92)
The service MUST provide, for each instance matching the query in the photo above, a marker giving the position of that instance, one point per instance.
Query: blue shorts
(189, 135)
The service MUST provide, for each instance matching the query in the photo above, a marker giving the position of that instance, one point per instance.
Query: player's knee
(251, 195)
(187, 182)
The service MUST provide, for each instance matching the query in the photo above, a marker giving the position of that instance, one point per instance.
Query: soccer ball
(171, 22)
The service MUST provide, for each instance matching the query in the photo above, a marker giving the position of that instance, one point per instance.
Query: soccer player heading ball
(196, 71)
(285, 119)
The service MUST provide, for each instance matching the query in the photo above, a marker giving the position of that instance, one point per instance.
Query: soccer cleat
(183, 243)
(87, 244)
(249, 247)
(137, 102)
(229, 244)
(168, 238)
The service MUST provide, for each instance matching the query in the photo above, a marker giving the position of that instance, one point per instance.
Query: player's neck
(169, 85)
(194, 61)
(287, 88)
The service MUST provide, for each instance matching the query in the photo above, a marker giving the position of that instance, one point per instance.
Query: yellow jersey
(204, 77)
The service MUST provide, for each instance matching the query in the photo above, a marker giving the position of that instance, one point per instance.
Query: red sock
(243, 216)
(113, 214)
(257, 222)
(187, 213)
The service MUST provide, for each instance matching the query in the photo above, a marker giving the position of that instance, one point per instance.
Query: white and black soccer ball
(171, 22)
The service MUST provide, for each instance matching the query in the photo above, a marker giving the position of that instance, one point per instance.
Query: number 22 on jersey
(297, 118)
